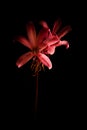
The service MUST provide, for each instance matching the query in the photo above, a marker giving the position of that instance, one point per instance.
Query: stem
(36, 96)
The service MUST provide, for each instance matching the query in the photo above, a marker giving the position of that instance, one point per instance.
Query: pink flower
(37, 45)
(58, 33)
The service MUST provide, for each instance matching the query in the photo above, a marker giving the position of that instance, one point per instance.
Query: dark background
(60, 89)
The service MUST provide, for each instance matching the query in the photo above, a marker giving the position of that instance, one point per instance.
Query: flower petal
(50, 50)
(56, 26)
(31, 32)
(24, 41)
(44, 24)
(45, 60)
(43, 34)
(24, 59)
(64, 31)
(65, 43)
(51, 40)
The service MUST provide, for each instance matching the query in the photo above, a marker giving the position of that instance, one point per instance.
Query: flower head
(58, 33)
(42, 44)
(37, 44)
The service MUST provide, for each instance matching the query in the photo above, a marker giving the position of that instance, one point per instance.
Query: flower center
(35, 50)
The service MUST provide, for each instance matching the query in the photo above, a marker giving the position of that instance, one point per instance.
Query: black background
(60, 89)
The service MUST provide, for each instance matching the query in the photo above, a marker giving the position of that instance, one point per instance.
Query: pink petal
(24, 59)
(51, 50)
(51, 40)
(45, 60)
(42, 47)
(31, 32)
(44, 24)
(48, 42)
(43, 34)
(56, 26)
(24, 41)
(64, 31)
(65, 43)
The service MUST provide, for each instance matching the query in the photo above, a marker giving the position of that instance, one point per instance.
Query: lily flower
(58, 33)
(37, 45)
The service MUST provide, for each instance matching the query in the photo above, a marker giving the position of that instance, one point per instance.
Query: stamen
(36, 66)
